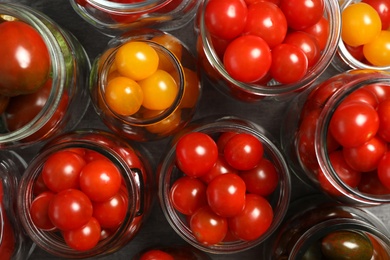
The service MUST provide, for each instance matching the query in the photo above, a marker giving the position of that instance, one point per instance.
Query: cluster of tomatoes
(357, 140)
(263, 40)
(81, 194)
(365, 31)
(25, 82)
(223, 191)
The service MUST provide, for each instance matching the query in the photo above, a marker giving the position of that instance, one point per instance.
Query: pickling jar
(163, 114)
(169, 172)
(321, 133)
(316, 227)
(211, 51)
(61, 102)
(136, 191)
(112, 17)
(352, 57)
(14, 244)
(177, 252)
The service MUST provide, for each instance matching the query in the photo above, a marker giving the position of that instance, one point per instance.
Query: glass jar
(320, 156)
(211, 51)
(116, 17)
(178, 252)
(14, 244)
(315, 225)
(91, 146)
(278, 198)
(148, 123)
(60, 104)
(348, 57)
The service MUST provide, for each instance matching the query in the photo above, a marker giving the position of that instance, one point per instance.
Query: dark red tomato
(4, 101)
(289, 63)
(100, 180)
(383, 9)
(225, 18)
(320, 31)
(222, 140)
(220, 167)
(225, 188)
(91, 155)
(39, 211)
(70, 209)
(348, 175)
(219, 45)
(363, 95)
(188, 195)
(263, 179)
(267, 21)
(247, 58)
(207, 227)
(196, 153)
(371, 184)
(356, 51)
(39, 186)
(381, 91)
(354, 123)
(301, 14)
(243, 151)
(383, 110)
(85, 237)
(112, 212)
(28, 61)
(384, 170)
(130, 157)
(61, 170)
(254, 220)
(156, 254)
(307, 43)
(365, 158)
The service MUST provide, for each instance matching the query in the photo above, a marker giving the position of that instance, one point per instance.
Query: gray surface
(269, 114)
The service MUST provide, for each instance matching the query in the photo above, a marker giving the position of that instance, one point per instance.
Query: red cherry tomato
(188, 195)
(156, 254)
(254, 220)
(196, 153)
(301, 14)
(70, 209)
(27, 65)
(225, 188)
(263, 179)
(220, 167)
(384, 119)
(222, 140)
(267, 21)
(247, 58)
(100, 180)
(61, 171)
(365, 158)
(354, 123)
(207, 227)
(371, 184)
(225, 18)
(289, 63)
(384, 170)
(383, 9)
(243, 151)
(307, 43)
(363, 95)
(110, 213)
(83, 238)
(382, 92)
(39, 211)
(320, 31)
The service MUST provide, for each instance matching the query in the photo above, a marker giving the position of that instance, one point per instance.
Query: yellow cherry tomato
(377, 52)
(191, 89)
(123, 95)
(360, 24)
(160, 90)
(136, 60)
(167, 125)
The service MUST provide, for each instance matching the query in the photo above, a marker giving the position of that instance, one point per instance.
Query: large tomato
(25, 65)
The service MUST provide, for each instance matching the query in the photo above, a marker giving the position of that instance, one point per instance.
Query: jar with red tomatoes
(86, 194)
(43, 81)
(224, 186)
(114, 17)
(336, 136)
(265, 49)
(14, 244)
(365, 36)
(145, 85)
(318, 228)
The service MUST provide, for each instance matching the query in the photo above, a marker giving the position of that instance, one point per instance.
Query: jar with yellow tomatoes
(42, 79)
(145, 85)
(365, 36)
(85, 194)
